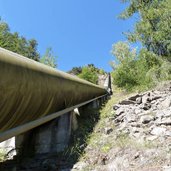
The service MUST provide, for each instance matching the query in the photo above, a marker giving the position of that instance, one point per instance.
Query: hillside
(133, 133)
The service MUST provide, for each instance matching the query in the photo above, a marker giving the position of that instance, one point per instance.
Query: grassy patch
(2, 155)
(81, 137)
(118, 94)
(106, 148)
(123, 141)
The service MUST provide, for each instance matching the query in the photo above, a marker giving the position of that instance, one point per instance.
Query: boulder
(146, 119)
(134, 98)
(115, 107)
(119, 111)
(165, 121)
(138, 111)
(156, 98)
(166, 103)
(146, 98)
(159, 131)
(139, 100)
(130, 118)
(146, 106)
(108, 130)
(126, 102)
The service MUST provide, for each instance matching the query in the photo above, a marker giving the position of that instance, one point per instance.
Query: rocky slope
(134, 136)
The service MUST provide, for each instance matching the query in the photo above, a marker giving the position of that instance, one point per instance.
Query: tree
(32, 50)
(88, 73)
(78, 70)
(135, 69)
(75, 70)
(153, 27)
(16, 43)
(148, 67)
(125, 71)
(49, 59)
(123, 52)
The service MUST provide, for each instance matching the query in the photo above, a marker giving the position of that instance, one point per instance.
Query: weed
(106, 148)
(2, 155)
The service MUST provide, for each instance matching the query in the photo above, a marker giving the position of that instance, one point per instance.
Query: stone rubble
(147, 114)
(138, 135)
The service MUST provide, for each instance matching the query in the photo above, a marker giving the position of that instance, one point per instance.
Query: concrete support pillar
(63, 132)
(24, 144)
(44, 137)
(98, 103)
(54, 136)
(95, 104)
(92, 105)
(51, 137)
(102, 100)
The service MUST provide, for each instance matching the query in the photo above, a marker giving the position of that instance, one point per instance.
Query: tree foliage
(28, 48)
(75, 70)
(123, 52)
(154, 25)
(124, 74)
(153, 29)
(78, 70)
(48, 58)
(89, 73)
(16, 43)
(142, 70)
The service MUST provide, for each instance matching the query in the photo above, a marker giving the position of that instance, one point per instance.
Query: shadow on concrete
(86, 122)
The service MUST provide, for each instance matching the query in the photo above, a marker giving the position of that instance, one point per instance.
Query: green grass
(2, 155)
(80, 138)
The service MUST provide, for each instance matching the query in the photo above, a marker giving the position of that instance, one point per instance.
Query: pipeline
(30, 90)
(33, 124)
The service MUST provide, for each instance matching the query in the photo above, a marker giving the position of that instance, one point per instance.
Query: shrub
(88, 73)
(141, 71)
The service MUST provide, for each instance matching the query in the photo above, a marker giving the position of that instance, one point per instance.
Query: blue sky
(80, 32)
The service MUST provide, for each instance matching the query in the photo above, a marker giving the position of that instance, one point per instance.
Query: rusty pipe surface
(30, 90)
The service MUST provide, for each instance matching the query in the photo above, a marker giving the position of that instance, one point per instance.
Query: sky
(80, 32)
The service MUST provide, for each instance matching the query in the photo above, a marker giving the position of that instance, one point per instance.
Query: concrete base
(52, 137)
(97, 103)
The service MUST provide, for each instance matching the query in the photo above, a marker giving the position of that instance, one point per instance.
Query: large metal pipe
(33, 124)
(30, 90)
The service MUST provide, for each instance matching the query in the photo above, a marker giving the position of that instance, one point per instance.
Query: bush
(125, 75)
(88, 73)
(140, 72)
